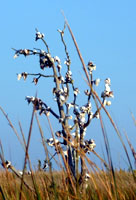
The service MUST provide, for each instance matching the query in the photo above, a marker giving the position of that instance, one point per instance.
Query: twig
(44, 42)
(40, 75)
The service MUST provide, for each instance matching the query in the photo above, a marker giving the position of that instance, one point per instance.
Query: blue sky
(106, 34)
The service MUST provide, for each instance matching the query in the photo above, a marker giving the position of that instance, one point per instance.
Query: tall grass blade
(30, 166)
(2, 193)
(109, 157)
(133, 118)
(132, 148)
(13, 128)
(26, 152)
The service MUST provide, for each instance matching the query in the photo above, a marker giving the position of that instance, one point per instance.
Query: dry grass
(100, 186)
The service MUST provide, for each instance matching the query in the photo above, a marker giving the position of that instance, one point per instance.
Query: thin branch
(65, 46)
(48, 50)
(41, 75)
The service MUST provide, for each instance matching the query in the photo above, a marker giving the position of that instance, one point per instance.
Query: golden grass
(100, 186)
